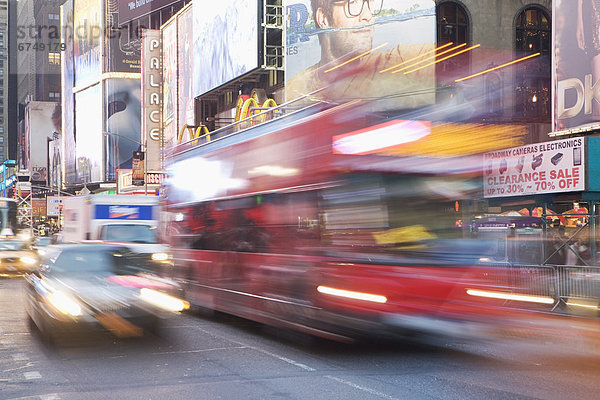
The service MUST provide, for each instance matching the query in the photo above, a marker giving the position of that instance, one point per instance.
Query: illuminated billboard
(361, 50)
(88, 125)
(122, 122)
(225, 42)
(54, 163)
(68, 103)
(185, 57)
(41, 120)
(549, 167)
(120, 55)
(88, 37)
(132, 9)
(169, 38)
(576, 63)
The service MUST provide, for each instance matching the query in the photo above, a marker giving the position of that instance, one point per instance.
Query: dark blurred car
(96, 286)
(17, 257)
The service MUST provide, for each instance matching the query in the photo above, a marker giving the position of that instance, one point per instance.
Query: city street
(221, 357)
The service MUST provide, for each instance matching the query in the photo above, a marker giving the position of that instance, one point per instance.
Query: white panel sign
(549, 167)
(53, 206)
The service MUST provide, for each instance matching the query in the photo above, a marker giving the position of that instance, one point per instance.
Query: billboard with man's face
(576, 27)
(361, 49)
(225, 42)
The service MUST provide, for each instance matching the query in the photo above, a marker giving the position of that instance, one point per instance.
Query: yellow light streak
(510, 296)
(443, 59)
(498, 67)
(582, 304)
(416, 57)
(356, 58)
(429, 58)
(352, 295)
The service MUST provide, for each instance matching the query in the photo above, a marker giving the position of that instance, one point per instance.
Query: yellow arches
(246, 106)
(194, 132)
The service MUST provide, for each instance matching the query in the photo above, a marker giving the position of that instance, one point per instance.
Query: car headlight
(64, 304)
(163, 300)
(28, 260)
(160, 256)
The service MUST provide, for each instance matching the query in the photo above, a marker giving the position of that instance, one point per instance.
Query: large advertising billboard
(123, 123)
(40, 126)
(170, 85)
(132, 9)
(152, 96)
(121, 56)
(361, 49)
(88, 35)
(68, 103)
(549, 167)
(54, 163)
(225, 42)
(88, 125)
(185, 59)
(576, 98)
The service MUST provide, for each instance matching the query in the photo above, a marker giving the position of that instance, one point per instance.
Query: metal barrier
(574, 288)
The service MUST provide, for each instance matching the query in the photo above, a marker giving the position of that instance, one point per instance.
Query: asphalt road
(221, 357)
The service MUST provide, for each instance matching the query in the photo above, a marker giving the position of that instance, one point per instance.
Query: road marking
(20, 357)
(364, 389)
(52, 396)
(285, 359)
(198, 351)
(29, 364)
(32, 375)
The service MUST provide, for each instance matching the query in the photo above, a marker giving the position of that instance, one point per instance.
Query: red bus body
(267, 222)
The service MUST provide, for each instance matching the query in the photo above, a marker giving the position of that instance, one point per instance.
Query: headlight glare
(160, 256)
(64, 304)
(28, 260)
(163, 300)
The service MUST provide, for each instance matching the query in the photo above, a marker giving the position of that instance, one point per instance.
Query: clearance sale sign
(549, 167)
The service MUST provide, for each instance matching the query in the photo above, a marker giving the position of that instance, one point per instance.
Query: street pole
(145, 168)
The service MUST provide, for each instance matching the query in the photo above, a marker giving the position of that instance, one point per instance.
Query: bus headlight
(160, 256)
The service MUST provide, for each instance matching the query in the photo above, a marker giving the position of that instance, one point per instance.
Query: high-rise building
(38, 50)
(3, 80)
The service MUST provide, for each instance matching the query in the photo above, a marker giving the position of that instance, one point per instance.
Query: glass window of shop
(556, 232)
(533, 35)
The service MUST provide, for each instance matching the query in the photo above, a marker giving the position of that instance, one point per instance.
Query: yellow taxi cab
(17, 257)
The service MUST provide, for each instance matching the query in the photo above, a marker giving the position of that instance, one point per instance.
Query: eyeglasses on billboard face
(355, 7)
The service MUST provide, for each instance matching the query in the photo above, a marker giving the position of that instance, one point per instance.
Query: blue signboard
(129, 212)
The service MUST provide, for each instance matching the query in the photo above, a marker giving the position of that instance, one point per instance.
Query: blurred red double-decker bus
(313, 222)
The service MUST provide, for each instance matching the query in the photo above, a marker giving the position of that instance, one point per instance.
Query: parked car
(17, 257)
(91, 286)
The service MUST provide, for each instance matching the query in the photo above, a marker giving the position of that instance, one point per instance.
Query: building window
(453, 26)
(533, 35)
(54, 95)
(54, 58)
